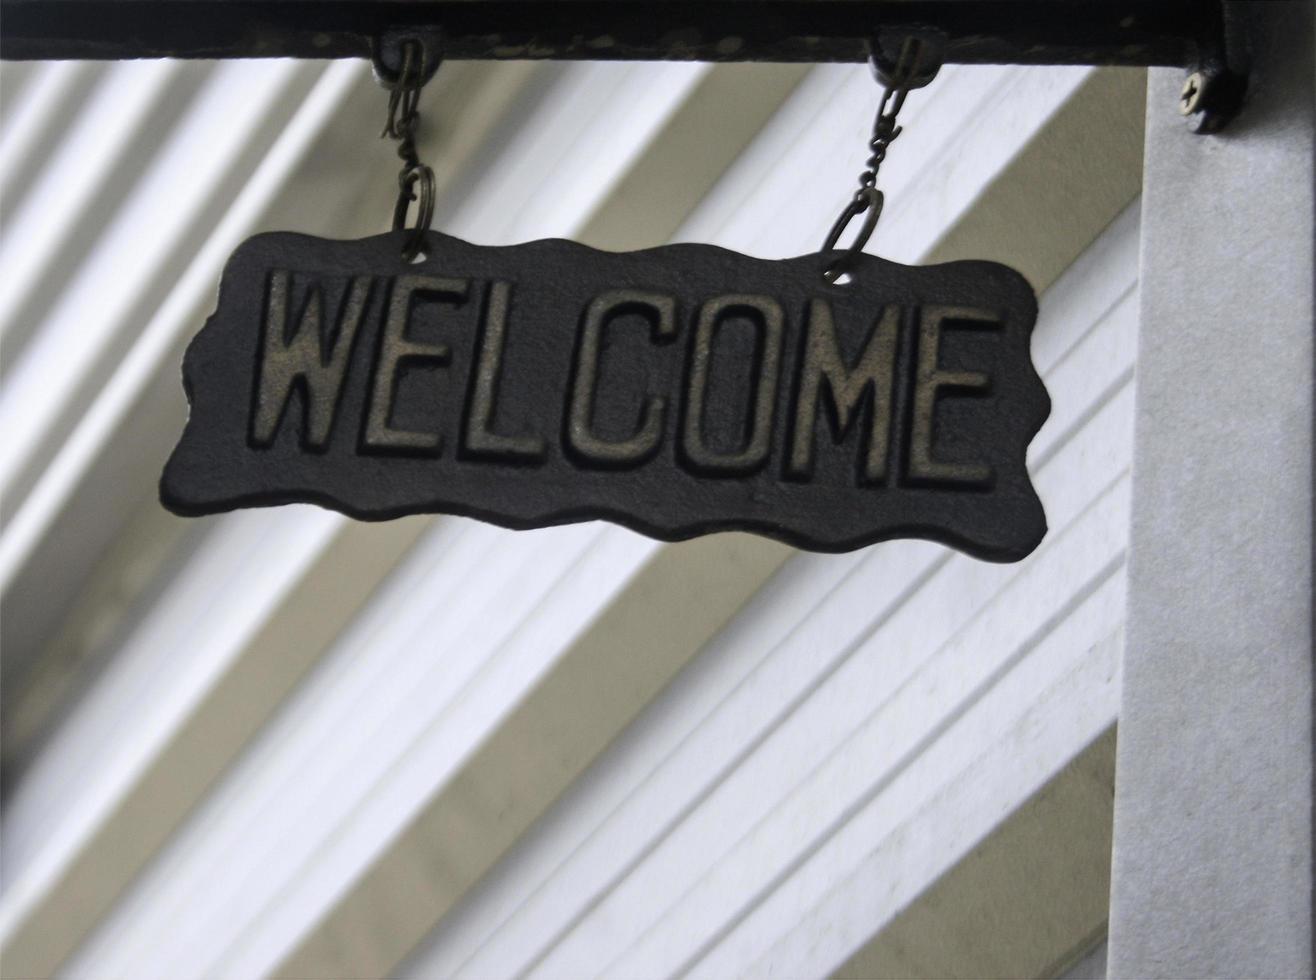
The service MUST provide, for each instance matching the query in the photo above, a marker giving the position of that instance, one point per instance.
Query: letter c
(660, 311)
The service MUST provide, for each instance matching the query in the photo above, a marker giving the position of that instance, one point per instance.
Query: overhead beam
(1095, 32)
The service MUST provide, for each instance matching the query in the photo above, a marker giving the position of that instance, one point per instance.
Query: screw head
(1190, 99)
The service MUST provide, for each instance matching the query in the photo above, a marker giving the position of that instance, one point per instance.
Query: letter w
(301, 363)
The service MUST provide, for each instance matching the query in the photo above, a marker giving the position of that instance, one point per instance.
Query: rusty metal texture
(678, 391)
(1114, 32)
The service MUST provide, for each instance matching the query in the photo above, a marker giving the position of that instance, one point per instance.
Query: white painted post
(1212, 864)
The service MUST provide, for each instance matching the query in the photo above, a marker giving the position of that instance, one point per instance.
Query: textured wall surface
(1213, 819)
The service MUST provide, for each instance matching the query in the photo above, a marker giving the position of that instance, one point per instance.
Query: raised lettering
(930, 382)
(478, 438)
(660, 311)
(869, 381)
(769, 323)
(306, 363)
(396, 352)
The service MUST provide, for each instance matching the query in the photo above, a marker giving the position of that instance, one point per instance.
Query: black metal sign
(678, 391)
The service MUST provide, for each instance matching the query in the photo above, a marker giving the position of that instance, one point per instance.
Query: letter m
(305, 361)
(826, 373)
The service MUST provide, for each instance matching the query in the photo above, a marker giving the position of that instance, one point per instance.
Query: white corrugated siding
(279, 741)
(857, 728)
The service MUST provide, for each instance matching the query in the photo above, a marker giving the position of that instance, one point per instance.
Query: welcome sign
(678, 391)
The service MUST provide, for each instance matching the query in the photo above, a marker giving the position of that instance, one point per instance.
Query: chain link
(909, 72)
(415, 180)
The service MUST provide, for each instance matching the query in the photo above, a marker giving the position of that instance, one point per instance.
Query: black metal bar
(1105, 32)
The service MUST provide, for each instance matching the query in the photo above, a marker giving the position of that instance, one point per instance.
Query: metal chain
(415, 180)
(885, 131)
(909, 72)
